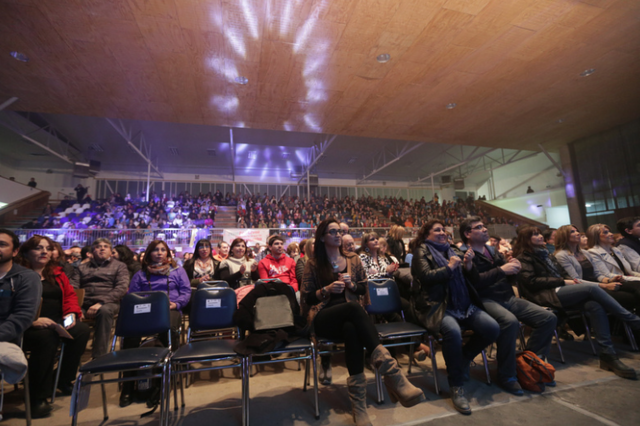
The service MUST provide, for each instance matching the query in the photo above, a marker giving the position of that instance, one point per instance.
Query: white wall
(13, 191)
(57, 183)
(513, 179)
(549, 207)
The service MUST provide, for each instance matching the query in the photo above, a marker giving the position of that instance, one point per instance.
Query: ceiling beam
(315, 154)
(470, 158)
(554, 162)
(7, 103)
(127, 137)
(406, 149)
(17, 128)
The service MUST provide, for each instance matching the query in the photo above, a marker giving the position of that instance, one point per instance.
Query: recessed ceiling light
(383, 58)
(587, 205)
(587, 73)
(450, 106)
(20, 56)
(241, 79)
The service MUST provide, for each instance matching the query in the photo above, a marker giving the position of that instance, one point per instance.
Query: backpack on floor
(533, 372)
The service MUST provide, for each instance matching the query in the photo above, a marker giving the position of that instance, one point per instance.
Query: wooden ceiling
(511, 66)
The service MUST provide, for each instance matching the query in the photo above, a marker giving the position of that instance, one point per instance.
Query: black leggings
(628, 295)
(350, 323)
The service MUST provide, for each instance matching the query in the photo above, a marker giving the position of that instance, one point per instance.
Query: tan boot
(357, 386)
(398, 386)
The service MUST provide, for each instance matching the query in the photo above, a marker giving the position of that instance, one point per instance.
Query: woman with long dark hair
(545, 282)
(202, 266)
(238, 269)
(333, 283)
(125, 255)
(446, 302)
(59, 303)
(159, 273)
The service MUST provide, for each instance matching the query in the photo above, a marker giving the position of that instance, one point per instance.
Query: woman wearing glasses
(333, 283)
(59, 307)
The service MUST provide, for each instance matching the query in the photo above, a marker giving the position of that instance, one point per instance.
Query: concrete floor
(585, 395)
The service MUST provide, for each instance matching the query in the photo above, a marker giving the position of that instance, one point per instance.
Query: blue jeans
(508, 314)
(597, 303)
(457, 357)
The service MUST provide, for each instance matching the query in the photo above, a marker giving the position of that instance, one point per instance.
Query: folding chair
(301, 349)
(141, 314)
(211, 312)
(217, 283)
(385, 299)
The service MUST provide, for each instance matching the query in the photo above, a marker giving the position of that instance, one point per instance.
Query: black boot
(126, 396)
(40, 408)
(610, 362)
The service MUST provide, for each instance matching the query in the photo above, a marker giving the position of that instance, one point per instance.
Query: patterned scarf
(458, 293)
(163, 268)
(200, 268)
(543, 254)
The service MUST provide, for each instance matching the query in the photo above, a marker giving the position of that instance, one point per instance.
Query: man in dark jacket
(501, 303)
(20, 293)
(105, 281)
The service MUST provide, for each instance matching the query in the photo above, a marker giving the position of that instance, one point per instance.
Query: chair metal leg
(486, 366)
(411, 360)
(76, 399)
(559, 346)
(174, 382)
(181, 378)
(104, 399)
(247, 399)
(306, 374)
(434, 365)
(586, 326)
(55, 384)
(630, 337)
(27, 399)
(315, 380)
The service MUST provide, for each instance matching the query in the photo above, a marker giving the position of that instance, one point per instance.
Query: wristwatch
(324, 292)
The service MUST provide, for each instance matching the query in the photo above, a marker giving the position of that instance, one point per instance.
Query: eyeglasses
(335, 232)
(477, 227)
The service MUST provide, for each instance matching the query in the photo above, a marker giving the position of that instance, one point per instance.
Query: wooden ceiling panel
(472, 7)
(540, 13)
(413, 16)
(512, 67)
(492, 21)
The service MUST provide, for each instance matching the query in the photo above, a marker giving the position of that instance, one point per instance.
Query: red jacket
(69, 298)
(283, 268)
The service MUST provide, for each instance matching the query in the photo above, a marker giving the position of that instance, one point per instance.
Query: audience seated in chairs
(238, 269)
(577, 263)
(495, 290)
(543, 281)
(608, 260)
(159, 273)
(105, 281)
(629, 245)
(277, 264)
(20, 293)
(59, 302)
(333, 283)
(202, 266)
(446, 302)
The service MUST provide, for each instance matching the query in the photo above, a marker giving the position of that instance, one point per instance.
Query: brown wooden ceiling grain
(512, 67)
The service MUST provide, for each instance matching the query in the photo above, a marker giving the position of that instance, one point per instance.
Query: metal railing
(140, 238)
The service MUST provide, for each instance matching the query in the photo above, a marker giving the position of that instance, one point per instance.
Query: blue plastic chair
(141, 315)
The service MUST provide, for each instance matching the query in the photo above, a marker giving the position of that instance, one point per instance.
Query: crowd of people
(187, 211)
(446, 288)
